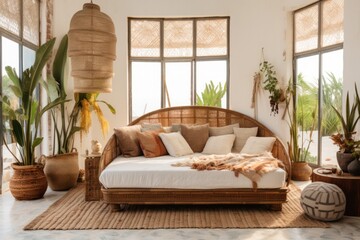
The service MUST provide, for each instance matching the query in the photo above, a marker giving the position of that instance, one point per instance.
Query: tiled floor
(14, 215)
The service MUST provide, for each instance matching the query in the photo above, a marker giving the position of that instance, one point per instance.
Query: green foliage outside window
(331, 95)
(212, 95)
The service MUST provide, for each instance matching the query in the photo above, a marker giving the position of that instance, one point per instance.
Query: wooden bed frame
(216, 117)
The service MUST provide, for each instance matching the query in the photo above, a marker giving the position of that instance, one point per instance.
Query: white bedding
(141, 172)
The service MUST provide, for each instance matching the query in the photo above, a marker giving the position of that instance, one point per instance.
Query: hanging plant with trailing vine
(271, 84)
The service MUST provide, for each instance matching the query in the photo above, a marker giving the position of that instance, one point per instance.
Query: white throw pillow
(242, 135)
(175, 144)
(219, 144)
(258, 145)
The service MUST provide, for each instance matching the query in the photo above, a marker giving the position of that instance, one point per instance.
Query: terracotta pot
(300, 171)
(62, 171)
(344, 159)
(28, 182)
(354, 167)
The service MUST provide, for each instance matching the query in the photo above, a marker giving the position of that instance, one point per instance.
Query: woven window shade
(211, 39)
(145, 38)
(92, 49)
(332, 22)
(31, 21)
(306, 29)
(178, 38)
(10, 16)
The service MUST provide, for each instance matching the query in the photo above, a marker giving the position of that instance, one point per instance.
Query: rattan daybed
(216, 117)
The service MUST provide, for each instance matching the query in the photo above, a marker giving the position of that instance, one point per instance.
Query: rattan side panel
(110, 152)
(92, 186)
(194, 196)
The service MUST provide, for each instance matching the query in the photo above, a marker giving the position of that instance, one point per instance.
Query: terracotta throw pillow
(151, 144)
(128, 140)
(196, 136)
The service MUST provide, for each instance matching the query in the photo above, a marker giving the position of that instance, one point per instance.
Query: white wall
(254, 24)
(351, 48)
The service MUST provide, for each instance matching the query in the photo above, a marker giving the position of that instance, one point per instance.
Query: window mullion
(163, 73)
(193, 65)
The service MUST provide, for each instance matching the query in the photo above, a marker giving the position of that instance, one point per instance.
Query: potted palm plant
(62, 167)
(345, 140)
(299, 144)
(22, 122)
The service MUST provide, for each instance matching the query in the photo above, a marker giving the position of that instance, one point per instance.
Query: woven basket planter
(92, 49)
(28, 182)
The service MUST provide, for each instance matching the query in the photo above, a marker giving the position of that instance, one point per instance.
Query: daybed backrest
(216, 117)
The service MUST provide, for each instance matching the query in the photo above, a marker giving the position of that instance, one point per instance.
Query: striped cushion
(323, 201)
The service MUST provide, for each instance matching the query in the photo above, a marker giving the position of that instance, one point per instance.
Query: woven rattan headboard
(216, 117)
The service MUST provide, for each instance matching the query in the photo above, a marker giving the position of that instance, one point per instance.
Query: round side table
(348, 183)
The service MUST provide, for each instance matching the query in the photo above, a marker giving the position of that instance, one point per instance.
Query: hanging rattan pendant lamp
(92, 49)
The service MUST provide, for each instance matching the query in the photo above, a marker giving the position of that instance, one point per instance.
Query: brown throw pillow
(128, 140)
(151, 144)
(196, 136)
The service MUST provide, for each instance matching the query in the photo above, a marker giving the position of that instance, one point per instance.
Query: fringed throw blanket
(252, 166)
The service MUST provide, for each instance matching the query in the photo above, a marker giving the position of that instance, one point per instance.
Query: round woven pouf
(323, 201)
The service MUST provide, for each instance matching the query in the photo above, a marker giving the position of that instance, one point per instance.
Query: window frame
(19, 39)
(320, 51)
(163, 60)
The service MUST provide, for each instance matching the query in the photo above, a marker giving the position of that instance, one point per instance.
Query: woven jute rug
(73, 212)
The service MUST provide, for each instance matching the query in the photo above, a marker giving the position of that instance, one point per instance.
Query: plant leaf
(18, 132)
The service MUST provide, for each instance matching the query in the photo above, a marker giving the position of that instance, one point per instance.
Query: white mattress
(141, 172)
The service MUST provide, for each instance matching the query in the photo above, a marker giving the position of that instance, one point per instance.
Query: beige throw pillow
(196, 136)
(128, 140)
(175, 144)
(150, 127)
(242, 134)
(217, 131)
(258, 145)
(219, 144)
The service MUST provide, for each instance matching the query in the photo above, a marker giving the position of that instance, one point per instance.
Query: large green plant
(212, 95)
(345, 140)
(299, 143)
(23, 121)
(67, 124)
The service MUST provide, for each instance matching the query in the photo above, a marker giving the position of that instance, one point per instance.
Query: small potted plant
(345, 140)
(22, 122)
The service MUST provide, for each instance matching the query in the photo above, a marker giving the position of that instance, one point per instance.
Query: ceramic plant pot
(300, 171)
(354, 167)
(62, 171)
(344, 159)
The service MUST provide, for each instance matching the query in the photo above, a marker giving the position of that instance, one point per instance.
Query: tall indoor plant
(22, 123)
(298, 146)
(62, 167)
